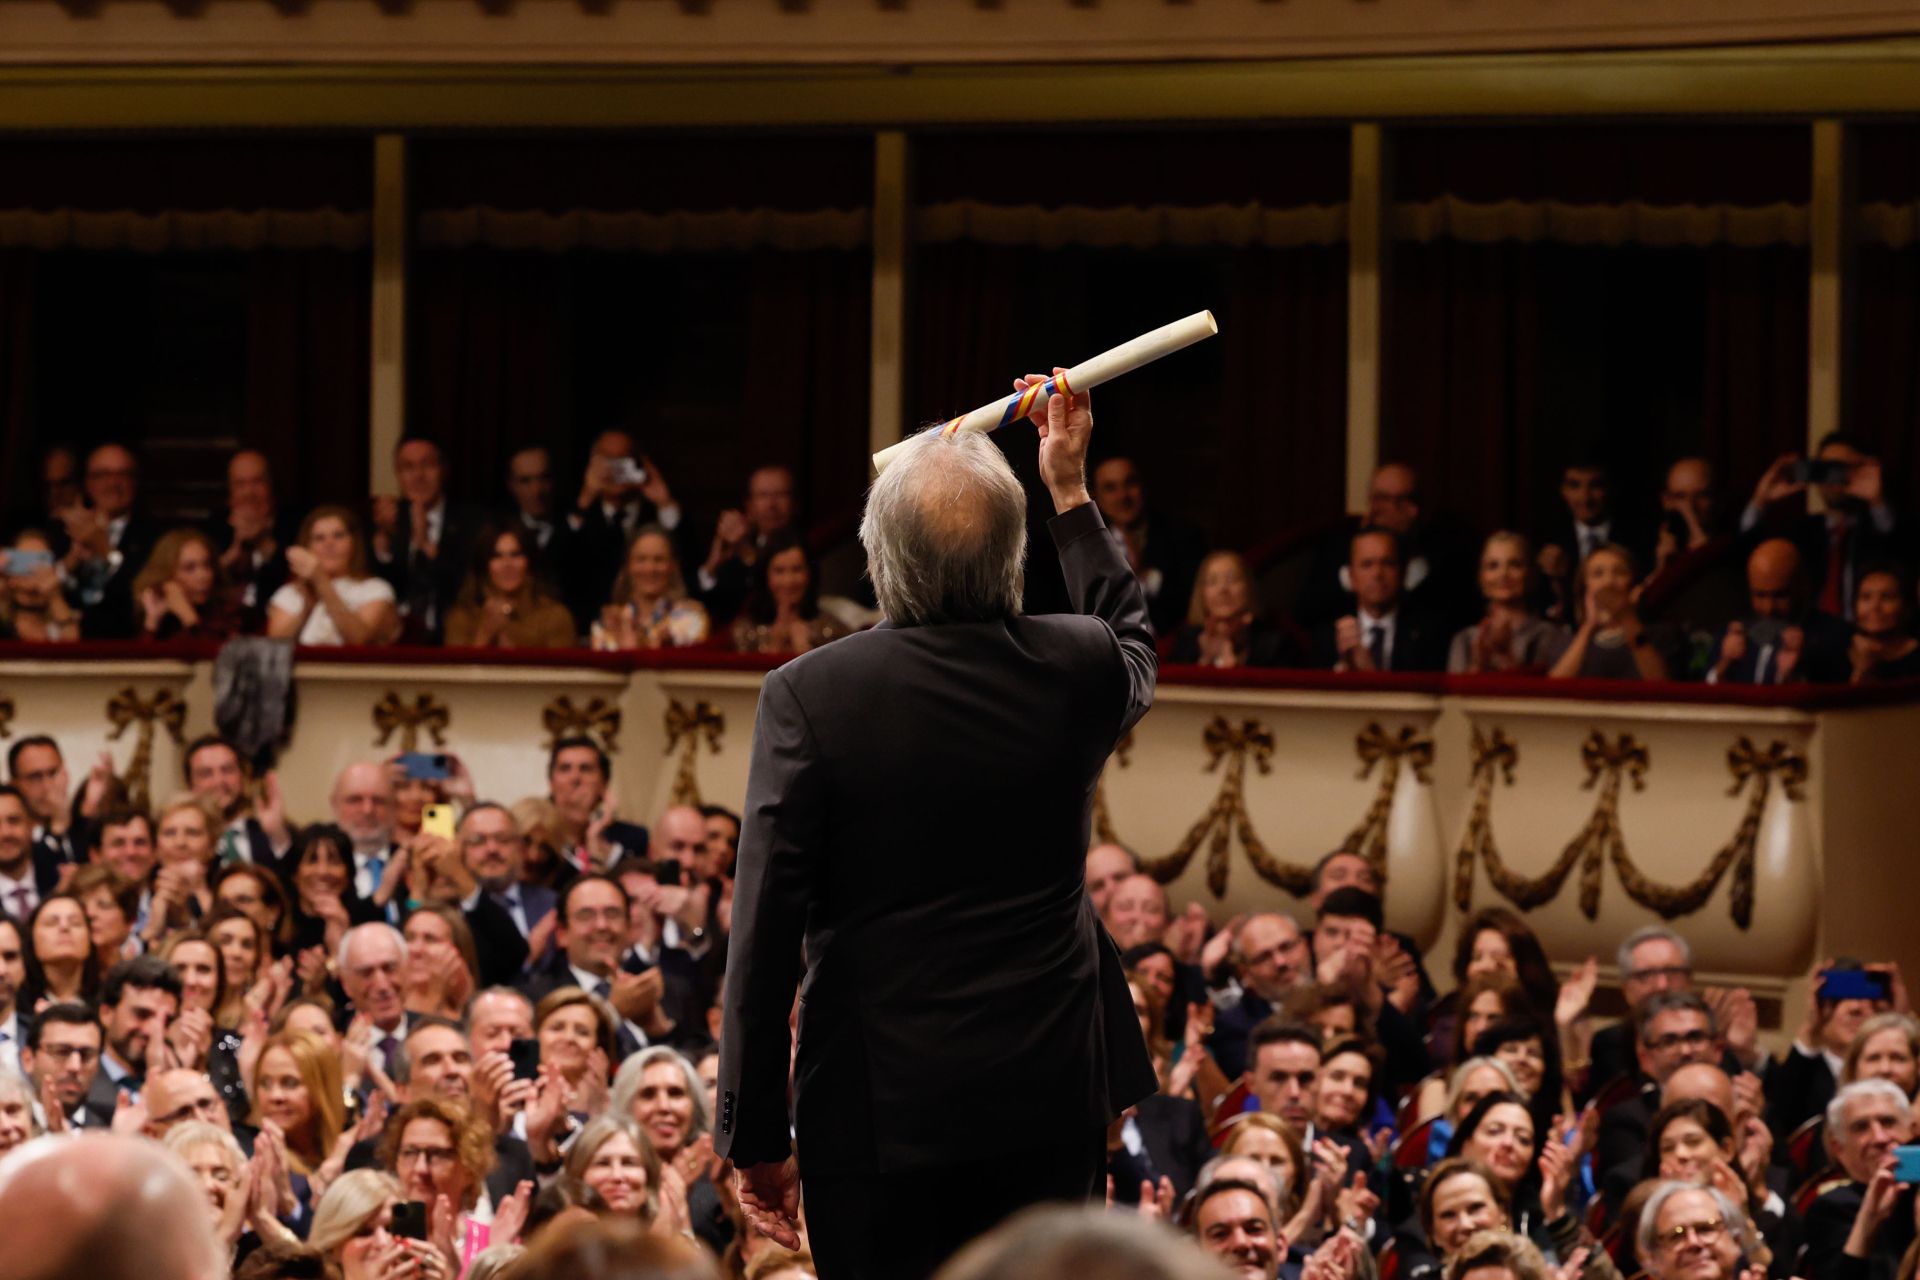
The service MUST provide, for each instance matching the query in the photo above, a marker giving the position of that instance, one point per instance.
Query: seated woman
(332, 599)
(502, 604)
(325, 903)
(178, 590)
(1532, 1053)
(1511, 637)
(113, 903)
(1472, 1080)
(439, 975)
(1609, 642)
(1224, 627)
(1497, 1255)
(613, 1157)
(299, 1095)
(650, 608)
(440, 1150)
(782, 613)
(185, 830)
(60, 961)
(576, 1032)
(1494, 938)
(1536, 1171)
(1485, 998)
(1692, 1141)
(32, 606)
(1883, 644)
(353, 1230)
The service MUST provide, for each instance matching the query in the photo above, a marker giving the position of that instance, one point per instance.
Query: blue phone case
(1906, 1163)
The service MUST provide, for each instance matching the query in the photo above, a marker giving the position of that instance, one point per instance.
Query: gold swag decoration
(1374, 747)
(1600, 840)
(125, 709)
(409, 718)
(598, 720)
(684, 729)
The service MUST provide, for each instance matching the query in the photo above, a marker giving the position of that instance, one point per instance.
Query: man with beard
(1233, 1221)
(61, 1056)
(215, 769)
(138, 999)
(362, 804)
(491, 847)
(577, 776)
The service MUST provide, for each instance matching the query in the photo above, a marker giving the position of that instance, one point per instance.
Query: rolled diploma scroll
(1084, 376)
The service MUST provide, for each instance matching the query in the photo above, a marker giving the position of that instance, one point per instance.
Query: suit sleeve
(780, 839)
(1102, 585)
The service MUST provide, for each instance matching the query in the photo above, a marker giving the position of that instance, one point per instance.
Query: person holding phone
(360, 1227)
(1844, 995)
(32, 607)
(621, 492)
(1857, 526)
(1861, 1228)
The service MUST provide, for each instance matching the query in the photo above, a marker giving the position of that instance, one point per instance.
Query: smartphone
(627, 471)
(1821, 471)
(1856, 984)
(1906, 1163)
(437, 820)
(410, 1220)
(426, 766)
(22, 563)
(525, 1056)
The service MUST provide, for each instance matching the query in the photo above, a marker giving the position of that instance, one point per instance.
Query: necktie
(1833, 596)
(603, 989)
(230, 847)
(376, 867)
(1377, 645)
(21, 898)
(1764, 670)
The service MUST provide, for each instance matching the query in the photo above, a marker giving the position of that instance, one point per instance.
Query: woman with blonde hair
(185, 830)
(178, 590)
(332, 599)
(1224, 623)
(1610, 642)
(614, 1158)
(649, 607)
(502, 604)
(353, 1229)
(1511, 636)
(298, 1096)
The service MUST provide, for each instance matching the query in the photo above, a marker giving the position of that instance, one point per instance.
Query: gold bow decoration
(6, 717)
(685, 727)
(1375, 747)
(126, 709)
(1233, 743)
(409, 718)
(599, 720)
(1103, 831)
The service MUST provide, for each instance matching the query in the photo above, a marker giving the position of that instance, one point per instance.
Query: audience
(649, 607)
(1164, 552)
(503, 603)
(331, 598)
(1223, 625)
(1385, 632)
(1510, 637)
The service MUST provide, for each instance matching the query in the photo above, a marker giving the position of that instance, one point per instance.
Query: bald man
(362, 804)
(1782, 639)
(107, 1207)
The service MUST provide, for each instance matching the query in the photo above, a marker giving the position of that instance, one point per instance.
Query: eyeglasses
(62, 1051)
(432, 1155)
(206, 1108)
(1674, 1040)
(1705, 1232)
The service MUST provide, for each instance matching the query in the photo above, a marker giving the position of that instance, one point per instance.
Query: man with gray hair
(104, 1206)
(917, 819)
(1863, 1226)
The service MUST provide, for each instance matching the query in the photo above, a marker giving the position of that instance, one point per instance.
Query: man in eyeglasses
(1868, 1219)
(1675, 1028)
(1692, 1233)
(175, 1096)
(61, 1057)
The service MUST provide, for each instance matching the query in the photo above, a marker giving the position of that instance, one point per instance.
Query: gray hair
(1457, 1083)
(1732, 1214)
(1649, 933)
(1886, 1090)
(945, 532)
(362, 930)
(194, 1134)
(350, 1202)
(626, 1086)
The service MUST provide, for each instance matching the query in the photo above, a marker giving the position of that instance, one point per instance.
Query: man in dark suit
(252, 538)
(1438, 563)
(592, 944)
(138, 999)
(1588, 521)
(491, 848)
(1865, 1122)
(1675, 1028)
(1384, 633)
(1857, 528)
(1165, 553)
(27, 875)
(60, 819)
(1782, 638)
(549, 538)
(214, 769)
(1271, 957)
(622, 493)
(108, 544)
(422, 543)
(62, 1053)
(972, 979)
(725, 578)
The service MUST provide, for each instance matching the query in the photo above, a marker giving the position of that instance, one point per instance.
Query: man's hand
(637, 995)
(1066, 429)
(1778, 484)
(770, 1197)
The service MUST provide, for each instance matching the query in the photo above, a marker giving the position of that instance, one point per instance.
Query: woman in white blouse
(331, 599)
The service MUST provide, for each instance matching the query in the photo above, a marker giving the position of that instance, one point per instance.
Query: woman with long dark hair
(782, 613)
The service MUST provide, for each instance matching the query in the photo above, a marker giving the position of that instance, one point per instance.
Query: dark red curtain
(717, 362)
(309, 322)
(20, 491)
(1883, 392)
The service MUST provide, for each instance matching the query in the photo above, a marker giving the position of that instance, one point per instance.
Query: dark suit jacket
(972, 978)
(597, 549)
(1823, 659)
(424, 587)
(1231, 1029)
(1621, 1146)
(1798, 1087)
(1174, 1133)
(1864, 545)
(1446, 586)
(113, 616)
(252, 587)
(1176, 550)
(1829, 1221)
(1420, 642)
